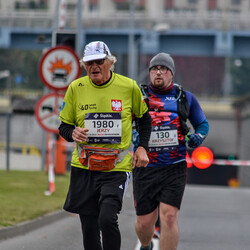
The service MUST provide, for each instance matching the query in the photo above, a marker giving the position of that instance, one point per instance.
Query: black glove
(195, 140)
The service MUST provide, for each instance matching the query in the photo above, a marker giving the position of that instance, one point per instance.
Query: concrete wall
(244, 149)
(222, 136)
(24, 129)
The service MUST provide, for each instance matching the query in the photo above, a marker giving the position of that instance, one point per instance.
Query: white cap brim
(93, 57)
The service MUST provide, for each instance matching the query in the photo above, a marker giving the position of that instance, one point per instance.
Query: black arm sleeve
(66, 130)
(144, 129)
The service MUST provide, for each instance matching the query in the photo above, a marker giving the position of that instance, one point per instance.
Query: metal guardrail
(120, 19)
(21, 92)
(21, 148)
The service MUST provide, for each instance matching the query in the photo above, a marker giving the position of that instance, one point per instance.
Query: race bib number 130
(163, 138)
(104, 128)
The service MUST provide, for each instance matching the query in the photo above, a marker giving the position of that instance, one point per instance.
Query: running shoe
(151, 247)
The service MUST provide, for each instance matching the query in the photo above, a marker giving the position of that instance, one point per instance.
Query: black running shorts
(154, 185)
(89, 189)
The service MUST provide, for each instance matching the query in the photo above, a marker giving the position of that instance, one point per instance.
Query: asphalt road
(211, 218)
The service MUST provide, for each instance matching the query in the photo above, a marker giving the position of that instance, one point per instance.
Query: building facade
(159, 14)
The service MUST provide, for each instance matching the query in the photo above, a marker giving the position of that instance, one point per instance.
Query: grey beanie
(163, 59)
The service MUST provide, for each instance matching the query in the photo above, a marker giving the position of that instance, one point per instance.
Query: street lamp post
(131, 45)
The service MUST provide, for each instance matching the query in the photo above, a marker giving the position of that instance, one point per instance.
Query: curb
(27, 226)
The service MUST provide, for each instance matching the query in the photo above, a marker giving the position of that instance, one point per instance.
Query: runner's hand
(140, 158)
(195, 140)
(80, 134)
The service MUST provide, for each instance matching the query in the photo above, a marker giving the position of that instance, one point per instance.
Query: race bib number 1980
(104, 128)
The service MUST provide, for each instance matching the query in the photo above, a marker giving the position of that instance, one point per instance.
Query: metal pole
(43, 150)
(79, 28)
(55, 22)
(46, 90)
(8, 117)
(227, 84)
(131, 45)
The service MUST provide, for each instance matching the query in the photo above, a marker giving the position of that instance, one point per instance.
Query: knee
(107, 220)
(170, 220)
(143, 225)
(89, 223)
(140, 224)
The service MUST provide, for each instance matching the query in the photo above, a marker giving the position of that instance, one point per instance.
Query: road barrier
(21, 148)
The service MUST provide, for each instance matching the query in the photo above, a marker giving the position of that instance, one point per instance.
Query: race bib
(104, 128)
(163, 138)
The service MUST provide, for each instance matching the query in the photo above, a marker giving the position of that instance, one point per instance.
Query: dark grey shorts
(89, 189)
(154, 185)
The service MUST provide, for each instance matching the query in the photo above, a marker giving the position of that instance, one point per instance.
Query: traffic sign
(47, 111)
(58, 67)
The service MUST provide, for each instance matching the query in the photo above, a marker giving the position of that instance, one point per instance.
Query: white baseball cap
(95, 51)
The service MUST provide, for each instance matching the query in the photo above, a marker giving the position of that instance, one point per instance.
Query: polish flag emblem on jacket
(116, 105)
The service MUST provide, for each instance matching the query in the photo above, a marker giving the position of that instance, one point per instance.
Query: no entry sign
(47, 111)
(58, 67)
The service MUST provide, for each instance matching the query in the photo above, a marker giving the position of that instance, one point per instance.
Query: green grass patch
(22, 195)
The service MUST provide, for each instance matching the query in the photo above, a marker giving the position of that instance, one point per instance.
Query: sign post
(58, 67)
